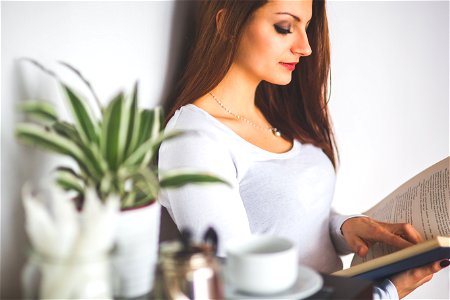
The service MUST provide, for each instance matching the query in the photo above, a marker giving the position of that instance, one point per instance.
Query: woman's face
(274, 37)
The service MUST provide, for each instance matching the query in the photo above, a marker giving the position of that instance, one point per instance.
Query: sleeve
(336, 221)
(198, 206)
(385, 290)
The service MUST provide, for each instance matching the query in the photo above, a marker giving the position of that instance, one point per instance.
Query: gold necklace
(273, 130)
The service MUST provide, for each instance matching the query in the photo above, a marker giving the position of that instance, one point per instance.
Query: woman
(253, 98)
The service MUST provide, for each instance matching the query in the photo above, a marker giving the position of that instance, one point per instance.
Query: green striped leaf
(84, 122)
(156, 143)
(94, 165)
(69, 181)
(158, 120)
(106, 185)
(178, 178)
(150, 127)
(147, 182)
(129, 200)
(133, 121)
(143, 199)
(41, 67)
(125, 123)
(45, 138)
(146, 151)
(135, 134)
(67, 130)
(69, 170)
(36, 135)
(156, 129)
(111, 128)
(137, 156)
(145, 125)
(85, 81)
(95, 162)
(140, 180)
(40, 111)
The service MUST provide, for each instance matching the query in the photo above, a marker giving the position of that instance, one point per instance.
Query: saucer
(308, 283)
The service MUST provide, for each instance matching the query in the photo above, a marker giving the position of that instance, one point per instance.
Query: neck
(237, 91)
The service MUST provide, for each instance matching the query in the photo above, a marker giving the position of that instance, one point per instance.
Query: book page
(423, 201)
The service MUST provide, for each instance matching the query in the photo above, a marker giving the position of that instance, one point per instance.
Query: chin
(280, 81)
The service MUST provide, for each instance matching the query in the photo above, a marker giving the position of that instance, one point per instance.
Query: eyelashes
(282, 30)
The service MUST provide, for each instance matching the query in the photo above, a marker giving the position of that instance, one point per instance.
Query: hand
(361, 232)
(408, 281)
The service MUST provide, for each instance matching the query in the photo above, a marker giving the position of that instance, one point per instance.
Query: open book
(424, 202)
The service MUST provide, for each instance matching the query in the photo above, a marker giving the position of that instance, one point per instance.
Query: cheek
(260, 47)
(260, 51)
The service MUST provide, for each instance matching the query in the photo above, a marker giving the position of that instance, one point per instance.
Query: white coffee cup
(261, 264)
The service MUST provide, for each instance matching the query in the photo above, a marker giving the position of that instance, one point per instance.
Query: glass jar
(188, 273)
(67, 278)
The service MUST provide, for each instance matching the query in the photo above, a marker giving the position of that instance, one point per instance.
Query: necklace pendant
(276, 132)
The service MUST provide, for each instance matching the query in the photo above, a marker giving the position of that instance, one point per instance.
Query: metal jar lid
(175, 256)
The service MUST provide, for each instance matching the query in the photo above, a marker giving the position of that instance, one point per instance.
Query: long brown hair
(298, 109)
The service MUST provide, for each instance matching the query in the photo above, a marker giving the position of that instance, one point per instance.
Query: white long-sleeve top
(285, 194)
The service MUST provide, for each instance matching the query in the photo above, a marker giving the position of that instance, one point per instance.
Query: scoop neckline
(295, 144)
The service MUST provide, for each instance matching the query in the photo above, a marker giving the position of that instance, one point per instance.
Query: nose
(301, 45)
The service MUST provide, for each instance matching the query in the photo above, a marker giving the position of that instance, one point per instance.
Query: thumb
(358, 246)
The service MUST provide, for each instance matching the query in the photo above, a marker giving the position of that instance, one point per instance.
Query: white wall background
(389, 100)
(390, 91)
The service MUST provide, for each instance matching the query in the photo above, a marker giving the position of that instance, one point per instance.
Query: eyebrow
(286, 13)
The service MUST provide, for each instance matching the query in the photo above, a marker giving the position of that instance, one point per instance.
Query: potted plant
(115, 154)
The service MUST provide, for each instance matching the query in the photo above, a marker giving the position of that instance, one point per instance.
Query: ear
(219, 19)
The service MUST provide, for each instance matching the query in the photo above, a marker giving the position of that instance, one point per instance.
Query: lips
(289, 66)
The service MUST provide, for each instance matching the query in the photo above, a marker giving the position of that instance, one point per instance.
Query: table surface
(334, 287)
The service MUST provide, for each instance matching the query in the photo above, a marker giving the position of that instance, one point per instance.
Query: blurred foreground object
(70, 249)
(189, 270)
(114, 148)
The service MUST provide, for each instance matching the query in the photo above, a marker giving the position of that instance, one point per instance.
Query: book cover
(402, 260)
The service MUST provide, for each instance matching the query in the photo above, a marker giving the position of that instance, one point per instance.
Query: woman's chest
(300, 185)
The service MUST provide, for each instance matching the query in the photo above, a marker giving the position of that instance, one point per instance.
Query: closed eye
(282, 30)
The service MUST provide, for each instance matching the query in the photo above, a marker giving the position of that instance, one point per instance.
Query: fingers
(361, 232)
(358, 246)
(424, 280)
(385, 236)
(425, 273)
(362, 250)
(408, 281)
(422, 272)
(412, 234)
(406, 231)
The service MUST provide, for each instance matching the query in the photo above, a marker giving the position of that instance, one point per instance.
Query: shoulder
(200, 145)
(186, 117)
(192, 118)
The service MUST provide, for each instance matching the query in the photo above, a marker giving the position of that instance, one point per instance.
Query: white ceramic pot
(136, 251)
